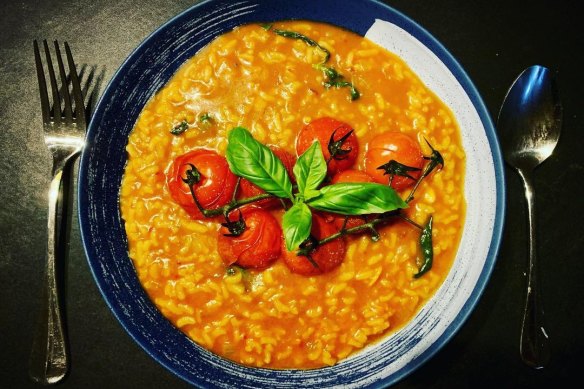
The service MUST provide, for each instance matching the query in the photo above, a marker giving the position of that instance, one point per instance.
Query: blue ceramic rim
(438, 49)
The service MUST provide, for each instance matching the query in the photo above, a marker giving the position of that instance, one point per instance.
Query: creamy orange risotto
(342, 241)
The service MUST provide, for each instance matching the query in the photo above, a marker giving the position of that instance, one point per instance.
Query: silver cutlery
(64, 125)
(529, 126)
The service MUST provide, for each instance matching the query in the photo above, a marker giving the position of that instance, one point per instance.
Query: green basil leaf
(310, 169)
(255, 162)
(311, 193)
(357, 199)
(296, 225)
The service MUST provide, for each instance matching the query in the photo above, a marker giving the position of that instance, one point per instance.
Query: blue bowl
(148, 69)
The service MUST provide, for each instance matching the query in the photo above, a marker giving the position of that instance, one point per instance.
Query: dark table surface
(494, 40)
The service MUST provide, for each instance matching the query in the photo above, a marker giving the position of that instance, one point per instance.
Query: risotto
(284, 86)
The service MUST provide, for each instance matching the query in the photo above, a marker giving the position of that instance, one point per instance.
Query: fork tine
(54, 89)
(77, 94)
(67, 112)
(45, 108)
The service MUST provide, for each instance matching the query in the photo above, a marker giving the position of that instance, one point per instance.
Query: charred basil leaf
(427, 250)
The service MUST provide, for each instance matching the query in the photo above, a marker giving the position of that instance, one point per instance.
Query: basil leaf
(427, 249)
(357, 199)
(296, 225)
(255, 162)
(311, 193)
(310, 169)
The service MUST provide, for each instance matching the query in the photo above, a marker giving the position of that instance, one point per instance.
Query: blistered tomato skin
(215, 188)
(327, 257)
(247, 189)
(258, 246)
(395, 146)
(352, 175)
(322, 129)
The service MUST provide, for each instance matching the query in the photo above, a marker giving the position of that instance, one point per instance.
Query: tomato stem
(355, 230)
(435, 160)
(236, 189)
(193, 177)
(407, 219)
(233, 205)
(335, 147)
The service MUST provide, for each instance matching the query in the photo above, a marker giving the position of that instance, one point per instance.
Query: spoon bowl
(529, 127)
(530, 118)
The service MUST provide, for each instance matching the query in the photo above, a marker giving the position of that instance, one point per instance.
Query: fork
(64, 132)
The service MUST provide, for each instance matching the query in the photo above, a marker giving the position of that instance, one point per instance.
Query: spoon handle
(534, 346)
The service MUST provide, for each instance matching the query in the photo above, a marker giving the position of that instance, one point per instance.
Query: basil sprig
(255, 162)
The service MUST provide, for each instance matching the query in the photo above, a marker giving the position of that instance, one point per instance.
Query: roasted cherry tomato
(326, 257)
(350, 175)
(258, 246)
(395, 146)
(247, 189)
(216, 185)
(322, 129)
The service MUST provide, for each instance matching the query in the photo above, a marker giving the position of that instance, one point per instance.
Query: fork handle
(49, 357)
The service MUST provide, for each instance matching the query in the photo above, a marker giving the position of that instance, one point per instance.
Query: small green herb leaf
(329, 72)
(255, 162)
(305, 39)
(296, 225)
(205, 121)
(180, 128)
(206, 118)
(357, 199)
(310, 169)
(340, 83)
(427, 250)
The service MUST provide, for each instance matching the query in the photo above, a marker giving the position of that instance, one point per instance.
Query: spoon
(529, 127)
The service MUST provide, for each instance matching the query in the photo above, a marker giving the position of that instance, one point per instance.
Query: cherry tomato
(327, 257)
(351, 175)
(258, 246)
(247, 189)
(393, 146)
(215, 188)
(322, 129)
